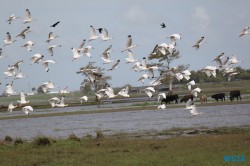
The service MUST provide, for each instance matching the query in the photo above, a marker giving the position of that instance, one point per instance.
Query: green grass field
(196, 149)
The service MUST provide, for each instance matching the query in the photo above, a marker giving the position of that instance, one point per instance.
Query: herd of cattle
(219, 96)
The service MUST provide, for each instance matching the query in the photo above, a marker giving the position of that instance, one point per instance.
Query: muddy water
(125, 122)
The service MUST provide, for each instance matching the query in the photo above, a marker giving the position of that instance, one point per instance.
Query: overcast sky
(220, 21)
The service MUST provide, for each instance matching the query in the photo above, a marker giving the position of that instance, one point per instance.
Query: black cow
(219, 96)
(170, 98)
(235, 93)
(186, 98)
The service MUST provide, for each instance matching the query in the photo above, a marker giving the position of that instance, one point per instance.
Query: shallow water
(125, 122)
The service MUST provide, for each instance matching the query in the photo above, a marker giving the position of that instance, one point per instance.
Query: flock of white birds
(93, 74)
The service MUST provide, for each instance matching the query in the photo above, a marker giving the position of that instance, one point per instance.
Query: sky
(219, 21)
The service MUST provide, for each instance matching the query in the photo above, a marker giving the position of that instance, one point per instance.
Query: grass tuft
(42, 141)
(73, 137)
(8, 138)
(18, 141)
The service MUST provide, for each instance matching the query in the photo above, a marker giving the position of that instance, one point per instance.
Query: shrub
(73, 137)
(8, 138)
(18, 141)
(42, 141)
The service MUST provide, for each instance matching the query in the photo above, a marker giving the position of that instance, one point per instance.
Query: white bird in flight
(51, 36)
(198, 43)
(27, 109)
(93, 35)
(244, 31)
(11, 106)
(50, 49)
(161, 107)
(105, 35)
(149, 91)
(130, 58)
(28, 45)
(22, 100)
(129, 45)
(46, 64)
(83, 98)
(190, 84)
(8, 39)
(36, 58)
(124, 92)
(12, 18)
(28, 18)
(192, 108)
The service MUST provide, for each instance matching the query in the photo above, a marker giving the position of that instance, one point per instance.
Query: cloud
(200, 18)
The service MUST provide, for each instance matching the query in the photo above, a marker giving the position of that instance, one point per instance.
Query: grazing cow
(203, 99)
(219, 96)
(170, 98)
(233, 94)
(186, 98)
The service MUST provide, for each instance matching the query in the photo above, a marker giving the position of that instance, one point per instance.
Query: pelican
(28, 45)
(198, 43)
(129, 45)
(23, 99)
(23, 32)
(51, 37)
(27, 109)
(105, 36)
(192, 108)
(149, 91)
(46, 64)
(11, 106)
(50, 49)
(36, 58)
(8, 40)
(93, 35)
(27, 18)
(130, 58)
(114, 66)
(190, 84)
(85, 98)
(11, 18)
(244, 32)
(124, 92)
